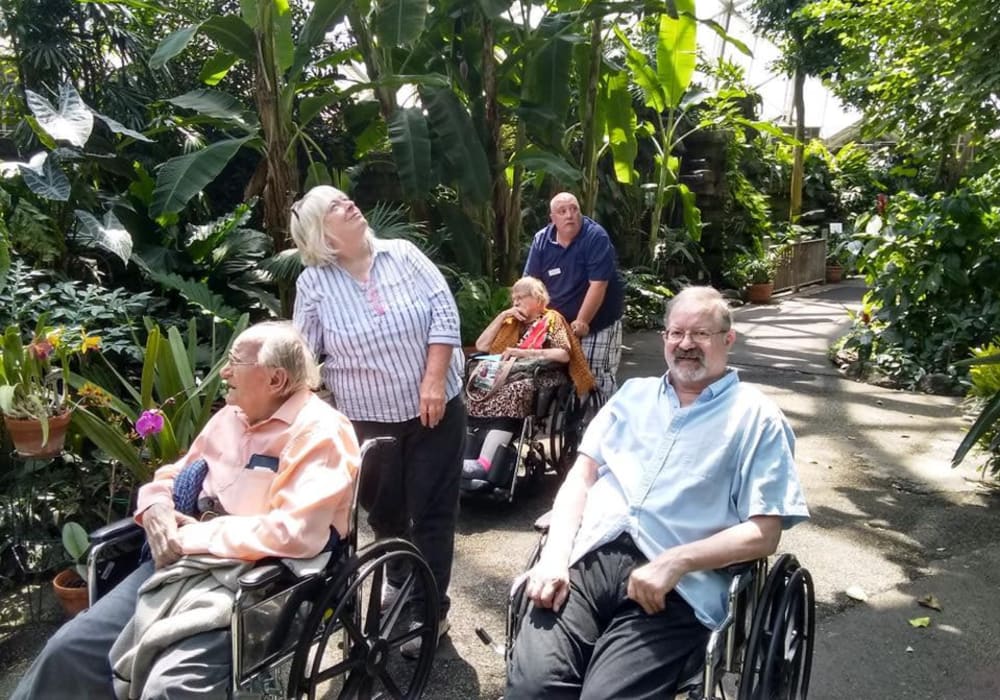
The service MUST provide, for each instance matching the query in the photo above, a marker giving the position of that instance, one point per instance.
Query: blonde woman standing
(384, 323)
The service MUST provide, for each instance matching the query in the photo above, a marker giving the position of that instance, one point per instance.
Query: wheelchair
(766, 638)
(322, 634)
(544, 441)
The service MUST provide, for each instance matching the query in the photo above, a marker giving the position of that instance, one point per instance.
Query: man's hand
(432, 400)
(548, 585)
(649, 584)
(160, 521)
(580, 328)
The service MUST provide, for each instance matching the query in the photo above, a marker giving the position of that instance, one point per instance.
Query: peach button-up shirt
(282, 513)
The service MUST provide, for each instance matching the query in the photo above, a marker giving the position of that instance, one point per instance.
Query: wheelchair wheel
(366, 663)
(778, 660)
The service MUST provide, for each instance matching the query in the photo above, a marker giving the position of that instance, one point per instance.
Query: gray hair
(281, 345)
(702, 296)
(532, 286)
(307, 229)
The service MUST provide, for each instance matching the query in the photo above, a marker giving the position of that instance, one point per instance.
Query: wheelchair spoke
(409, 634)
(347, 620)
(349, 664)
(389, 684)
(374, 600)
(392, 617)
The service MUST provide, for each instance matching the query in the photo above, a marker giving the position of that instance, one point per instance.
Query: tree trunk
(798, 153)
(591, 140)
(281, 172)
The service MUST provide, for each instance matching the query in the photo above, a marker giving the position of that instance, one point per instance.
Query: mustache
(688, 355)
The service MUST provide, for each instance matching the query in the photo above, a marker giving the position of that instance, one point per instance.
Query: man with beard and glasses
(678, 477)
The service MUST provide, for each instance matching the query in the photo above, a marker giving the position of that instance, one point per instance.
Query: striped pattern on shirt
(373, 337)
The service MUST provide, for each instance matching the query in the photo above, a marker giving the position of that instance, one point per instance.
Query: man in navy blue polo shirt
(575, 259)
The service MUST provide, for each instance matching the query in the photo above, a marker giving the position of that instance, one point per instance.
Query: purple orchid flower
(149, 423)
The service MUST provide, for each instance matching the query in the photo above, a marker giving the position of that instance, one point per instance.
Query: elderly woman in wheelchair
(678, 477)
(537, 371)
(272, 476)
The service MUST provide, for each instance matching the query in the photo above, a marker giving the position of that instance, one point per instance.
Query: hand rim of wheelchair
(567, 420)
(367, 650)
(778, 659)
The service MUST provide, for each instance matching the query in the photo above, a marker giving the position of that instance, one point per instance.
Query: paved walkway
(890, 517)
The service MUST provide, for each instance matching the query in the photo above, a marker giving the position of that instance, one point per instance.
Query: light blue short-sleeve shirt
(669, 475)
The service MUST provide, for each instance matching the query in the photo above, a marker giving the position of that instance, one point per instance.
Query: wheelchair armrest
(114, 531)
(543, 522)
(264, 574)
(740, 568)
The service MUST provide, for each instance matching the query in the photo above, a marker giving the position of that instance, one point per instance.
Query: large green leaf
(618, 120)
(44, 177)
(232, 34)
(676, 51)
(400, 22)
(72, 122)
(324, 16)
(181, 178)
(196, 293)
(455, 138)
(643, 74)
(284, 44)
(217, 67)
(534, 158)
(110, 235)
(213, 103)
(173, 44)
(546, 87)
(119, 128)
(411, 149)
(986, 420)
(110, 441)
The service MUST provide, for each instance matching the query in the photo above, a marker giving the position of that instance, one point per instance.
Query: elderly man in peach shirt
(280, 470)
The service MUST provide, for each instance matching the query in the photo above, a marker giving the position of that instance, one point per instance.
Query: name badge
(555, 271)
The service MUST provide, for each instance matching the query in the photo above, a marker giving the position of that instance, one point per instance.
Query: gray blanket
(191, 596)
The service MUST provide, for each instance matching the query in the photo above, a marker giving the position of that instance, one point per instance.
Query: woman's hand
(432, 401)
(514, 313)
(517, 352)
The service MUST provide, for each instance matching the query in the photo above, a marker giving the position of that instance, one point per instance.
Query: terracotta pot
(834, 273)
(71, 590)
(760, 293)
(26, 434)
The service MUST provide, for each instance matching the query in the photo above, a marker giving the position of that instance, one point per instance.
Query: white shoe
(390, 594)
(411, 649)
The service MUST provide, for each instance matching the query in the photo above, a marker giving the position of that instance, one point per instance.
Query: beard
(682, 368)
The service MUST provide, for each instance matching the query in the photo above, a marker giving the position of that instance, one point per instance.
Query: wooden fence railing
(801, 263)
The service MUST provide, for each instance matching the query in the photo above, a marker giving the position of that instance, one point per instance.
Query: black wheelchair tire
(783, 588)
(367, 647)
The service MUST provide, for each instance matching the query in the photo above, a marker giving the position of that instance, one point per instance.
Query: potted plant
(34, 386)
(759, 270)
(70, 584)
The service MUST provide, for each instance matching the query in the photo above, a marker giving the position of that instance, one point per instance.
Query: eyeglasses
(233, 361)
(700, 336)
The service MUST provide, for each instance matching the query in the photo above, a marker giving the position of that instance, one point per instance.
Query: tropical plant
(985, 393)
(646, 298)
(34, 375)
(76, 542)
(111, 314)
(932, 265)
(479, 300)
(156, 422)
(60, 200)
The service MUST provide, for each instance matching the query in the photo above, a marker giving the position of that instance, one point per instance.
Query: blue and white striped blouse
(373, 337)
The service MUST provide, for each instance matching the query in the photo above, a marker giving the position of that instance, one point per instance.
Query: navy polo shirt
(567, 272)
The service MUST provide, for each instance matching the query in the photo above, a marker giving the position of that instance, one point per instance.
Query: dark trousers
(411, 491)
(601, 644)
